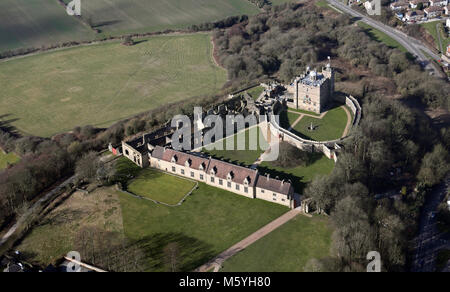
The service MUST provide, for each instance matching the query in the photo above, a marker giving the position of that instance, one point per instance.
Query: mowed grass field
(33, 23)
(100, 84)
(159, 186)
(286, 249)
(122, 16)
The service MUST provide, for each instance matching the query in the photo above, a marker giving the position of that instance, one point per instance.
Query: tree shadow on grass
(297, 181)
(192, 252)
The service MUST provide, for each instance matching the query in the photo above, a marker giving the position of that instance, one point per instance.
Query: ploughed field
(99, 84)
(36, 23)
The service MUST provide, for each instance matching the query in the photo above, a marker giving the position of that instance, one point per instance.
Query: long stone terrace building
(237, 179)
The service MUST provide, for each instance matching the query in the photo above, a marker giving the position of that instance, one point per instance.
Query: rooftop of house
(272, 184)
(237, 174)
(418, 1)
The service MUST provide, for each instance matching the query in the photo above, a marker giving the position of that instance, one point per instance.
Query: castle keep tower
(312, 91)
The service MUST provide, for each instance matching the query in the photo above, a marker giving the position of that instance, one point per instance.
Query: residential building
(447, 10)
(234, 178)
(433, 11)
(414, 15)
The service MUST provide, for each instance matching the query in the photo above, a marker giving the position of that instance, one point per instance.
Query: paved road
(42, 201)
(429, 240)
(413, 46)
(217, 262)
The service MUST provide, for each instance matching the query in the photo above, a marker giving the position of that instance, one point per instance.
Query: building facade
(311, 91)
(237, 179)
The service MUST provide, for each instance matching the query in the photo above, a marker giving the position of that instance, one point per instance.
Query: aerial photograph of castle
(224, 136)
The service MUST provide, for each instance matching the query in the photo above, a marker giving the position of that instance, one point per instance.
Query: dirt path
(349, 122)
(217, 262)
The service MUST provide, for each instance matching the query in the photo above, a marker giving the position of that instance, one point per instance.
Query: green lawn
(288, 118)
(35, 23)
(380, 36)
(431, 29)
(208, 223)
(6, 159)
(56, 91)
(247, 156)
(122, 16)
(300, 175)
(279, 2)
(330, 127)
(159, 186)
(287, 249)
(255, 92)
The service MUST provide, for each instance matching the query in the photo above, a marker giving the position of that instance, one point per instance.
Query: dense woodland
(280, 43)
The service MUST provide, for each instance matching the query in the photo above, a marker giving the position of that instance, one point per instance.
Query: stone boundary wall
(326, 147)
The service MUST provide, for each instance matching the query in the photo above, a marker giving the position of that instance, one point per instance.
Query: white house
(438, 2)
(447, 23)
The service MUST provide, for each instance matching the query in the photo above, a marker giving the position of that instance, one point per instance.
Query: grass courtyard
(248, 156)
(300, 175)
(6, 159)
(436, 33)
(255, 92)
(159, 186)
(330, 127)
(56, 91)
(287, 249)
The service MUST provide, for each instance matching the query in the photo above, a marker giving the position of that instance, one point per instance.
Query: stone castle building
(312, 91)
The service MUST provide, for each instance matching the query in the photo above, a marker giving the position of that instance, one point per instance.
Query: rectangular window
(174, 169)
(201, 177)
(237, 187)
(274, 194)
(262, 191)
(229, 184)
(246, 189)
(274, 199)
(192, 174)
(212, 179)
(220, 182)
(283, 200)
(182, 171)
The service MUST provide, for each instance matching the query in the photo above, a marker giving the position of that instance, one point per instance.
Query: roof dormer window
(174, 159)
(188, 163)
(213, 171)
(246, 181)
(230, 176)
(202, 166)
